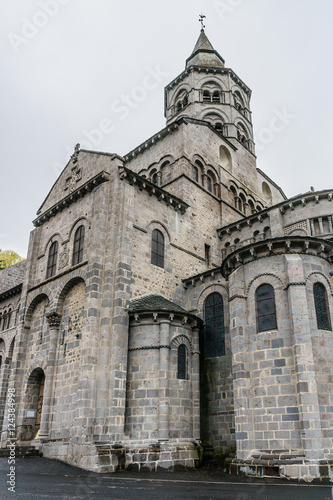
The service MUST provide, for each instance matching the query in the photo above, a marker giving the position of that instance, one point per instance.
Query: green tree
(8, 258)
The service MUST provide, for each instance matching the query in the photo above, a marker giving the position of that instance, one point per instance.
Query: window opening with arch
(157, 249)
(321, 306)
(78, 245)
(154, 179)
(266, 310)
(195, 173)
(52, 260)
(214, 326)
(182, 362)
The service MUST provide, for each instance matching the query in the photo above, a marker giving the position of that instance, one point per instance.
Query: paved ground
(45, 479)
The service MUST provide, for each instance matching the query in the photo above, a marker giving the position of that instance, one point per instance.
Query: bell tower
(208, 91)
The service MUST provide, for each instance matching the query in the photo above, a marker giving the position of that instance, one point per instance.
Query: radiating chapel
(175, 306)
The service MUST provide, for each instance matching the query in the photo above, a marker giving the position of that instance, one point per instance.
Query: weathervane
(201, 20)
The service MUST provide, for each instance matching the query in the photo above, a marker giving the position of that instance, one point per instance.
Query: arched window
(78, 245)
(209, 184)
(9, 314)
(242, 204)
(251, 207)
(321, 305)
(214, 326)
(206, 95)
(181, 373)
(195, 173)
(200, 168)
(185, 101)
(266, 312)
(157, 248)
(219, 127)
(155, 179)
(216, 96)
(52, 260)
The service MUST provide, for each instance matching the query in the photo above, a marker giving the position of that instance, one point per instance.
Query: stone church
(175, 306)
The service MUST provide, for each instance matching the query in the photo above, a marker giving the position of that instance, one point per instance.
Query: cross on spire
(201, 20)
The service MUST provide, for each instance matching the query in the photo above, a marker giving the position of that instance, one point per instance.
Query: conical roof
(204, 54)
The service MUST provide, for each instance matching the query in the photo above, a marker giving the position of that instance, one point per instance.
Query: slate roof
(154, 303)
(199, 56)
(12, 276)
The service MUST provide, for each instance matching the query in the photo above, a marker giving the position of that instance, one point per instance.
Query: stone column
(321, 227)
(163, 392)
(306, 387)
(196, 383)
(54, 324)
(241, 358)
(313, 233)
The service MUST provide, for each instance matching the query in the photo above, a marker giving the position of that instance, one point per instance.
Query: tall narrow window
(181, 374)
(157, 248)
(206, 95)
(196, 173)
(52, 260)
(214, 326)
(209, 184)
(321, 305)
(155, 179)
(9, 314)
(207, 254)
(266, 312)
(78, 245)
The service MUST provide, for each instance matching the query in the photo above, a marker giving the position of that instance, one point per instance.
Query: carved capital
(53, 320)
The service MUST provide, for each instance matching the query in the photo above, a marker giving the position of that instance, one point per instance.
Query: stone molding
(11, 293)
(215, 70)
(145, 347)
(157, 316)
(144, 184)
(72, 198)
(212, 273)
(277, 246)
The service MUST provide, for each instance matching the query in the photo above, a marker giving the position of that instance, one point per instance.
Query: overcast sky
(68, 67)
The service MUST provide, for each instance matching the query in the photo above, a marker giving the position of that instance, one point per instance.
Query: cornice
(315, 197)
(10, 293)
(277, 246)
(72, 198)
(157, 315)
(246, 221)
(143, 184)
(202, 277)
(284, 206)
(169, 130)
(210, 69)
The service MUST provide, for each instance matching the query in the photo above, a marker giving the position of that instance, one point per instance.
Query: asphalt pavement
(40, 478)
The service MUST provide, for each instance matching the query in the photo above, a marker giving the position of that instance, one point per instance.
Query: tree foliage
(8, 258)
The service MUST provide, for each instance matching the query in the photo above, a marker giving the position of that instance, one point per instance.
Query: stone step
(21, 452)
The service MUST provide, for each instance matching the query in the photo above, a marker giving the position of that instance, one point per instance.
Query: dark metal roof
(154, 303)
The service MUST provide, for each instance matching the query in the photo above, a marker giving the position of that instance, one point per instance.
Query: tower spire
(204, 53)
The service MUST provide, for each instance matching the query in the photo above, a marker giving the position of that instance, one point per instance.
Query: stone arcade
(174, 305)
